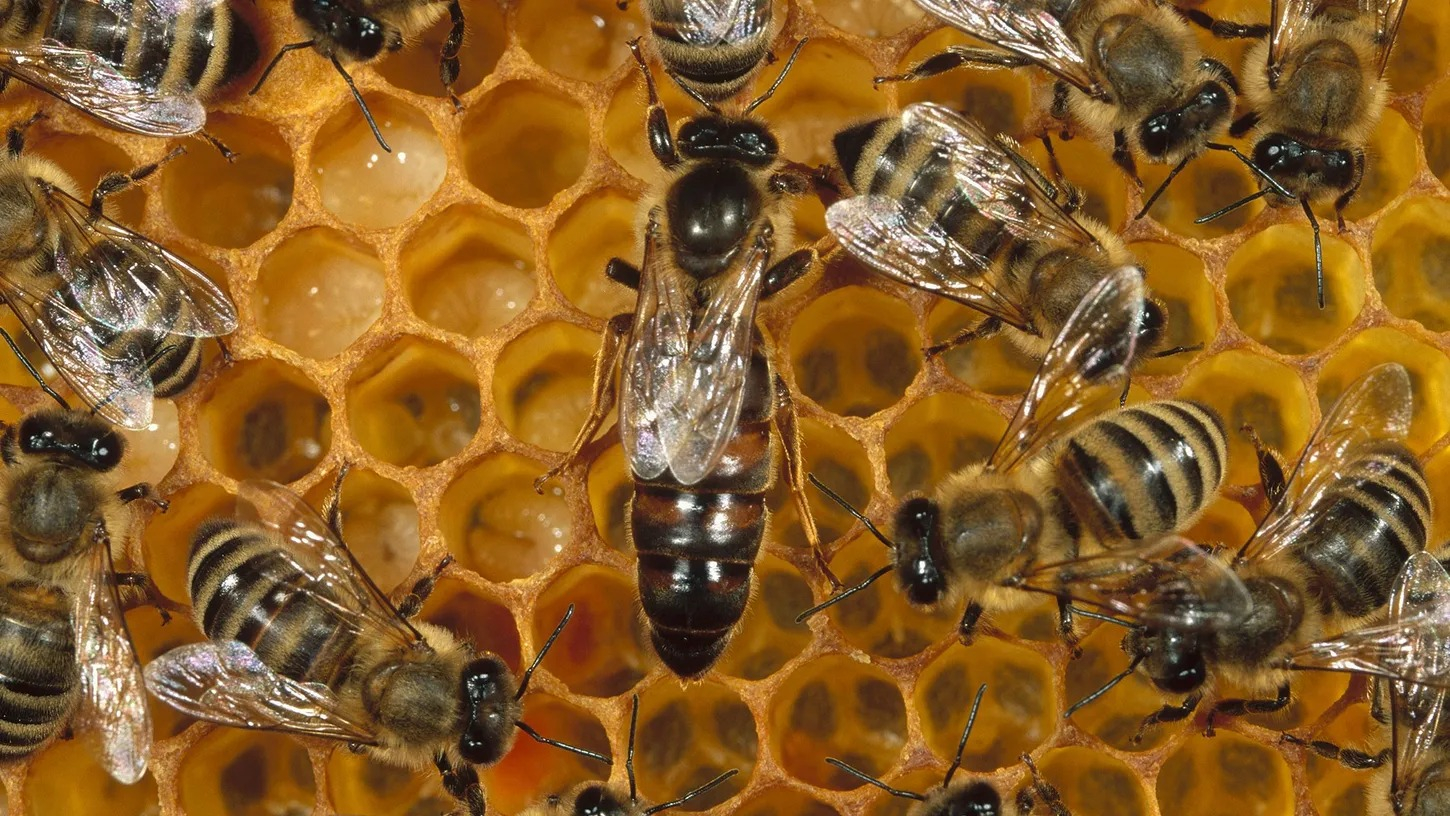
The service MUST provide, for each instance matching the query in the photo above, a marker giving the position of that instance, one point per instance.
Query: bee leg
(113, 183)
(1221, 71)
(1059, 104)
(143, 491)
(150, 594)
(1168, 714)
(795, 475)
(623, 273)
(1044, 790)
(967, 629)
(1351, 758)
(15, 136)
(1271, 470)
(1067, 196)
(1223, 29)
(462, 784)
(1124, 158)
(985, 329)
(1238, 708)
(227, 152)
(1243, 124)
(412, 603)
(786, 271)
(601, 401)
(448, 59)
(1343, 201)
(657, 121)
(332, 502)
(957, 56)
(1065, 627)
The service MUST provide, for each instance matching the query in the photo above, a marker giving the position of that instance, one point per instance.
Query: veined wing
(719, 22)
(1024, 28)
(112, 713)
(94, 85)
(1288, 22)
(1387, 15)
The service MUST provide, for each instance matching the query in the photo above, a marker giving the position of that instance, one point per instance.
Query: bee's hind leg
(150, 594)
(448, 67)
(113, 183)
(1350, 758)
(1238, 708)
(412, 603)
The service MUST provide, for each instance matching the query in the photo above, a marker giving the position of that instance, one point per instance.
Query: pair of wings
(1024, 28)
(684, 370)
(907, 243)
(225, 682)
(716, 22)
(100, 88)
(1290, 19)
(96, 314)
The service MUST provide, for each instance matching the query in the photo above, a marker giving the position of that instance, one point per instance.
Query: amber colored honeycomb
(430, 316)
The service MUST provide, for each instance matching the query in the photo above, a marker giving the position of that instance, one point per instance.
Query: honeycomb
(430, 316)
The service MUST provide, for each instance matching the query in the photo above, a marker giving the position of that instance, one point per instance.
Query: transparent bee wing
(1289, 20)
(225, 682)
(94, 85)
(1092, 352)
(1375, 408)
(1387, 15)
(1023, 28)
(1417, 716)
(111, 374)
(127, 282)
(112, 713)
(1172, 583)
(683, 384)
(719, 22)
(332, 575)
(1412, 646)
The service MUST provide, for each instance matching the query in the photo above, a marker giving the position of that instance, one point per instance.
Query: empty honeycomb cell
(835, 706)
(599, 226)
(167, 539)
(1409, 257)
(380, 522)
(495, 524)
(1175, 278)
(828, 89)
(1422, 47)
(360, 182)
(414, 403)
(265, 420)
(840, 463)
(1105, 195)
(1093, 783)
(1435, 132)
(318, 291)
(605, 612)
(938, 436)
(523, 142)
(1272, 289)
(1210, 182)
(610, 489)
(86, 159)
(624, 123)
(1115, 717)
(484, 622)
(361, 784)
(769, 636)
(869, 18)
(232, 772)
(878, 620)
(1437, 474)
(583, 39)
(1245, 388)
(997, 99)
(784, 802)
(532, 770)
(993, 365)
(468, 271)
(66, 778)
(541, 384)
(686, 739)
(1428, 367)
(151, 451)
(854, 350)
(415, 68)
(1018, 713)
(1228, 773)
(1390, 167)
(230, 204)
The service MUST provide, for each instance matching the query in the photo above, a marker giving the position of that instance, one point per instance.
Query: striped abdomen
(37, 666)
(714, 70)
(243, 588)
(1366, 528)
(1142, 472)
(697, 544)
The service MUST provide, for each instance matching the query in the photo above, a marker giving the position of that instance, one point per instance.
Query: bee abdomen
(174, 364)
(245, 588)
(1367, 529)
(37, 666)
(716, 70)
(1144, 471)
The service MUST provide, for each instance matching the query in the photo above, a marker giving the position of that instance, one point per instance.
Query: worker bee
(1129, 72)
(977, 797)
(1323, 561)
(118, 315)
(596, 799)
(1315, 90)
(948, 208)
(144, 68)
(303, 641)
(699, 393)
(364, 31)
(711, 49)
(1057, 484)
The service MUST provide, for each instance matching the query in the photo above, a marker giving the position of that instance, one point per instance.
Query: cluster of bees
(1084, 498)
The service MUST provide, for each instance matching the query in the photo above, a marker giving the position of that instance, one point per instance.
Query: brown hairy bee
(120, 316)
(364, 31)
(711, 48)
(303, 641)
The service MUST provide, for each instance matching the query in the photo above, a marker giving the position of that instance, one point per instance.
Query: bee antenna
(1153, 199)
(573, 749)
(842, 595)
(1220, 213)
(769, 92)
(966, 732)
(1318, 249)
(44, 386)
(865, 777)
(1098, 616)
(1254, 168)
(1104, 688)
(855, 514)
(281, 52)
(367, 114)
(539, 658)
(629, 752)
(705, 788)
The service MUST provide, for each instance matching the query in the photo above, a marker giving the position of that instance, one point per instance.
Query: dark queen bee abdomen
(37, 666)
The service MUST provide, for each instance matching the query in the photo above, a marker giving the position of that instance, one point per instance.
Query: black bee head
(1297, 165)
(490, 711)
(717, 137)
(919, 559)
(1174, 660)
(1173, 130)
(596, 800)
(344, 29)
(71, 435)
(973, 799)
